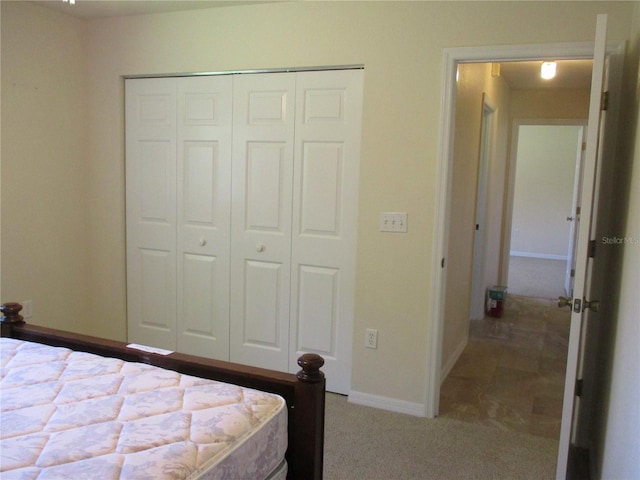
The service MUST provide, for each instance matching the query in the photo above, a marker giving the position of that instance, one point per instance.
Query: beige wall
(63, 170)
(558, 104)
(615, 443)
(45, 220)
(501, 96)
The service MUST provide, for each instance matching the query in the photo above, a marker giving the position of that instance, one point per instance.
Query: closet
(242, 195)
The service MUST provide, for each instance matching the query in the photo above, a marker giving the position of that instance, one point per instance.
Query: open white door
(585, 293)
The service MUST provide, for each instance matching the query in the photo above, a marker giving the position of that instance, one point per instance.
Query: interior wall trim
(449, 364)
(543, 256)
(386, 403)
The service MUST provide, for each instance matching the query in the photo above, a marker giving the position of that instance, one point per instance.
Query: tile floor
(511, 374)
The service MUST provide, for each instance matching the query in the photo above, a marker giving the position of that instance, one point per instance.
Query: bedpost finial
(11, 313)
(310, 363)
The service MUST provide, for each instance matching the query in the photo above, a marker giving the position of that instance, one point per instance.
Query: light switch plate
(393, 222)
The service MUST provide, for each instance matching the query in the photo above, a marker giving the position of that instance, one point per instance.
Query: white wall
(68, 234)
(543, 190)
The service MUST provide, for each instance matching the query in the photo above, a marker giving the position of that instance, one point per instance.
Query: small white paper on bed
(146, 348)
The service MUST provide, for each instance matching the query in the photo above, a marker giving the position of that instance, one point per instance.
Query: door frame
(451, 58)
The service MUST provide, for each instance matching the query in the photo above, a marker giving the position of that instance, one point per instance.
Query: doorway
(478, 241)
(591, 176)
(543, 198)
(438, 365)
(447, 252)
(507, 371)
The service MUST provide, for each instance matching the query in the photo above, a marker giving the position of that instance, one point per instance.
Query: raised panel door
(204, 123)
(325, 207)
(261, 219)
(151, 211)
(242, 216)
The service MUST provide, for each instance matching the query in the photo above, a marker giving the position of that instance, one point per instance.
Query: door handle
(580, 306)
(565, 302)
(592, 305)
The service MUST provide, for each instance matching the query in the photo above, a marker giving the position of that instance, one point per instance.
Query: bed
(73, 404)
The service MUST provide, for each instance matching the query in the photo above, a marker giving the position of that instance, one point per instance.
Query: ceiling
(526, 75)
(93, 9)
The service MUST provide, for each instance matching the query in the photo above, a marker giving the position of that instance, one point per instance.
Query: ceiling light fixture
(548, 70)
(70, 2)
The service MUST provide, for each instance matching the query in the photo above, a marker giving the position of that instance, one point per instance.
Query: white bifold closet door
(263, 130)
(255, 177)
(178, 172)
(325, 212)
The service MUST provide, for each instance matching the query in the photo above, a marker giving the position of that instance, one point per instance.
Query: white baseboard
(386, 403)
(446, 368)
(546, 256)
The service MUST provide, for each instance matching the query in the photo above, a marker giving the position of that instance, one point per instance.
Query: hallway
(511, 373)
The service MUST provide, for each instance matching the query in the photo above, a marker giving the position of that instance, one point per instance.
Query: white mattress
(75, 415)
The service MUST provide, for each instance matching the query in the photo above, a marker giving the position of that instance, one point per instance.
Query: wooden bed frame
(304, 392)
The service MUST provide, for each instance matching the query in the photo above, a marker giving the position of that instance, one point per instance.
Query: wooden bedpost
(311, 364)
(10, 317)
(311, 393)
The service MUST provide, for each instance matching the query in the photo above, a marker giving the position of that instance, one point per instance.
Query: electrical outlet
(371, 338)
(27, 308)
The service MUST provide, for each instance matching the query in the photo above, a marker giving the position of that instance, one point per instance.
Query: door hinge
(573, 272)
(592, 248)
(442, 263)
(579, 385)
(605, 101)
(584, 146)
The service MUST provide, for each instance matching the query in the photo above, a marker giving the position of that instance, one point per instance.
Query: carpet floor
(364, 443)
